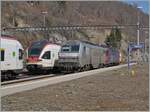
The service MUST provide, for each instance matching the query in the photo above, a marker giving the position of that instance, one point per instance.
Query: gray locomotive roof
(80, 41)
(87, 42)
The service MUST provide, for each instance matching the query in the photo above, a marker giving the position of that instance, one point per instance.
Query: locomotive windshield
(36, 47)
(70, 48)
(34, 52)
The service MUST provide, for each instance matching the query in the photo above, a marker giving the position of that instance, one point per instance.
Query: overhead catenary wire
(75, 27)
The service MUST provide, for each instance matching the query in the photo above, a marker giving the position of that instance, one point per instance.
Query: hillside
(72, 13)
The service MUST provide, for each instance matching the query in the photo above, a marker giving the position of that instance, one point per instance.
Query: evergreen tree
(114, 39)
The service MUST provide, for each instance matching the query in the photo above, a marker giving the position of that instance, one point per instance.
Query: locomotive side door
(19, 57)
(10, 56)
(95, 57)
(53, 57)
(46, 59)
(85, 55)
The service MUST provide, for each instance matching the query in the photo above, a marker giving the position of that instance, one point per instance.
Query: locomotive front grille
(71, 60)
(69, 65)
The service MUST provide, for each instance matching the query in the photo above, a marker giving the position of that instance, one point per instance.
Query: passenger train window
(47, 55)
(2, 55)
(20, 54)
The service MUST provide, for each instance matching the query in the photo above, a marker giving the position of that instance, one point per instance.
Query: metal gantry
(74, 27)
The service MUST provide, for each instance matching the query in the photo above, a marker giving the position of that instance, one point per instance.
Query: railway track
(29, 78)
(25, 77)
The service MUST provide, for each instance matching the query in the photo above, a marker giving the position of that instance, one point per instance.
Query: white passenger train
(11, 57)
(42, 56)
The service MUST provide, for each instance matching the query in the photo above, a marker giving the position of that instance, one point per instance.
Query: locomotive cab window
(75, 48)
(70, 48)
(34, 52)
(20, 54)
(47, 55)
(65, 48)
(2, 55)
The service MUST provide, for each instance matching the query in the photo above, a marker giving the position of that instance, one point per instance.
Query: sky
(140, 3)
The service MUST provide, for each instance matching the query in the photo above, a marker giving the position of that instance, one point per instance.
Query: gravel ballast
(113, 90)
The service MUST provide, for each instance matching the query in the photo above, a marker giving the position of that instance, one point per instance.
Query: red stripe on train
(32, 59)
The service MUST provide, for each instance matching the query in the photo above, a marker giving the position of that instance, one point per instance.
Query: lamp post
(44, 18)
(138, 30)
(146, 45)
(14, 13)
(44, 21)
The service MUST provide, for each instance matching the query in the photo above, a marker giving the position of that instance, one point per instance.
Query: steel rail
(26, 79)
